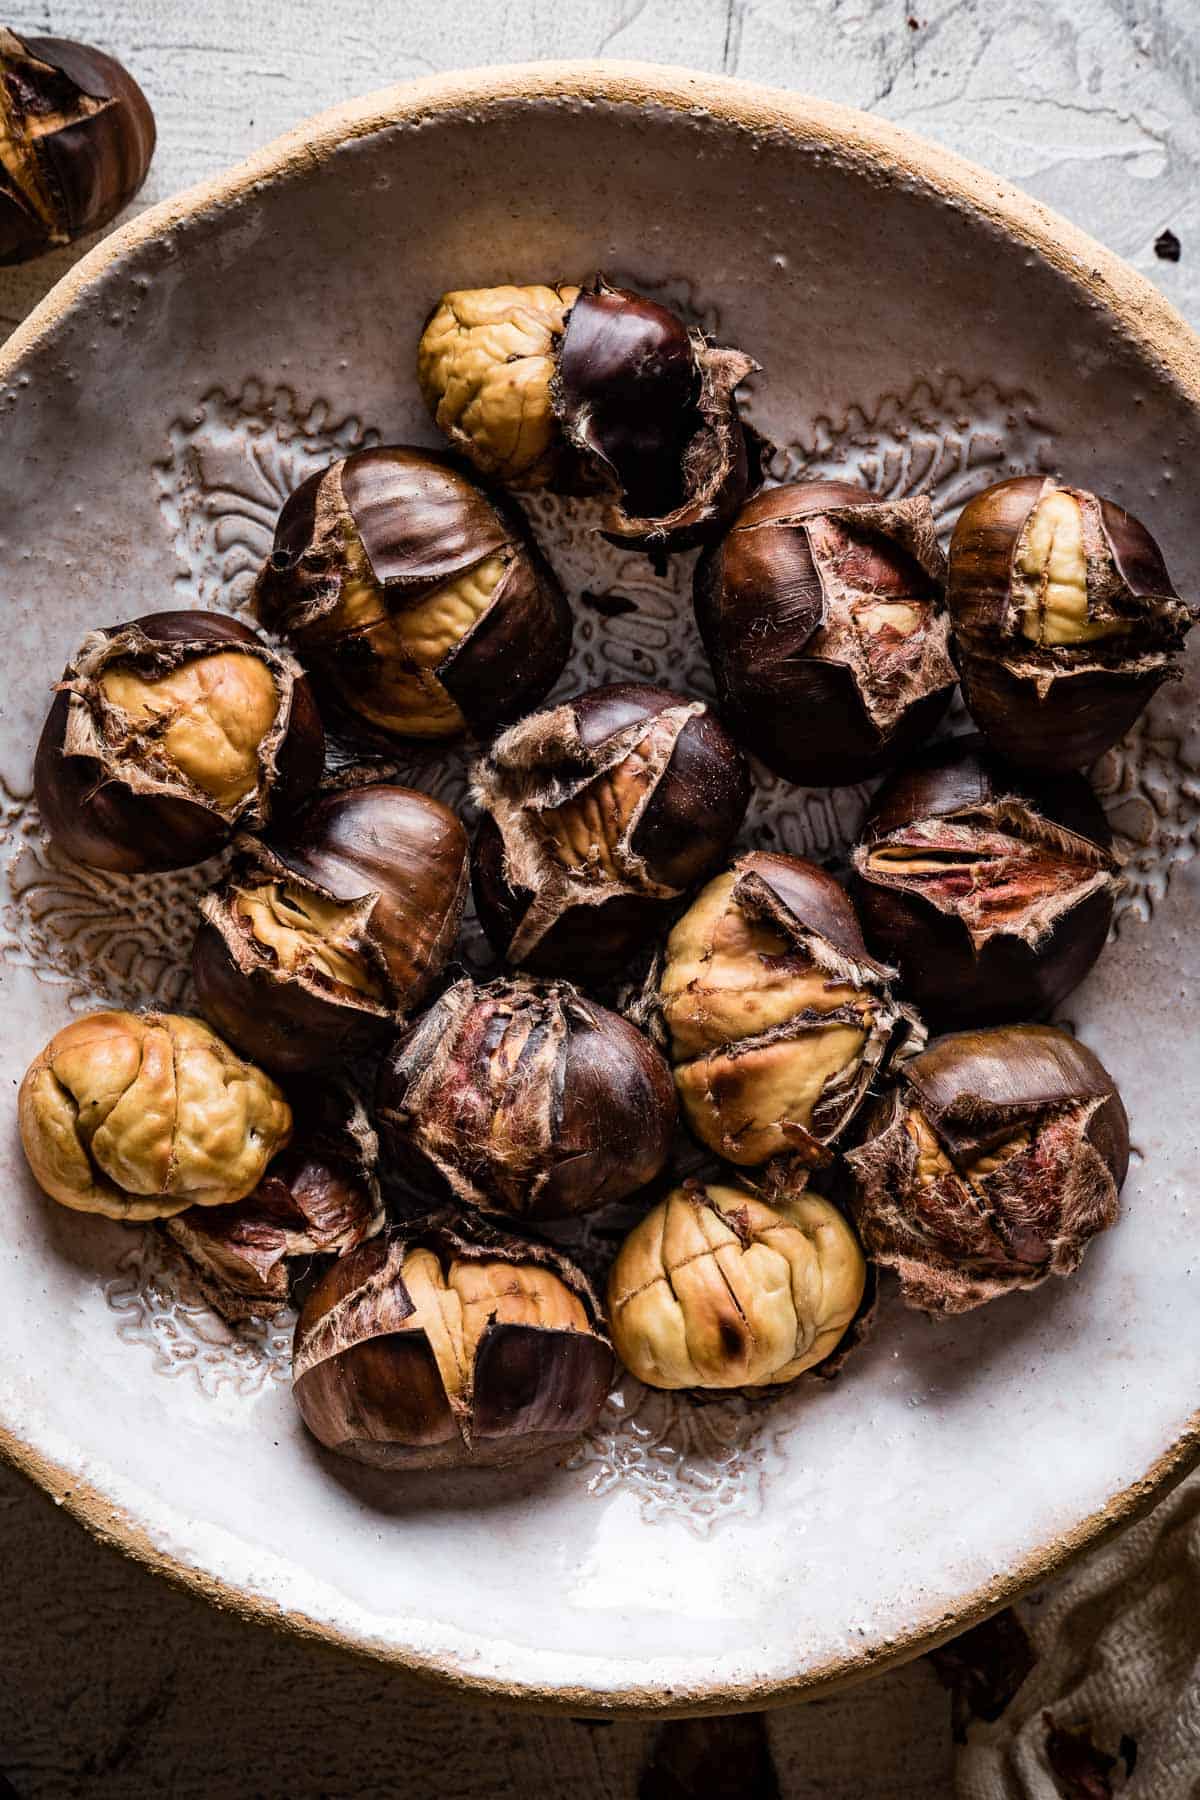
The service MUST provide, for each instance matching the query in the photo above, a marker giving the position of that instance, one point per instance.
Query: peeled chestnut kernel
(993, 1162)
(525, 1097)
(422, 604)
(1065, 620)
(76, 138)
(592, 389)
(821, 612)
(716, 1288)
(169, 734)
(319, 1197)
(992, 891)
(324, 936)
(448, 1344)
(142, 1115)
(598, 814)
(776, 1018)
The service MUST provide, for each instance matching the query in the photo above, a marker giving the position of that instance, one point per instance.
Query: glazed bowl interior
(918, 324)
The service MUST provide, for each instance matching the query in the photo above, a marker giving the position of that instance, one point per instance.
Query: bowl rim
(894, 155)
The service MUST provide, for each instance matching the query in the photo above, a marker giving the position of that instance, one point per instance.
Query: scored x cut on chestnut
(990, 888)
(169, 734)
(598, 815)
(421, 605)
(327, 934)
(593, 389)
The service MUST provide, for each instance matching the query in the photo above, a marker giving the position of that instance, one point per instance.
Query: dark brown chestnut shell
(373, 1391)
(797, 607)
(406, 526)
(991, 890)
(1059, 706)
(109, 801)
(89, 153)
(646, 790)
(396, 860)
(319, 1198)
(1031, 1143)
(527, 1098)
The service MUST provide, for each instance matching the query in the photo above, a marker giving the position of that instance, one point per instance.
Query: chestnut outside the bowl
(1025, 1430)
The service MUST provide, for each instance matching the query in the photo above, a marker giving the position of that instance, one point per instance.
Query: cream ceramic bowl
(919, 323)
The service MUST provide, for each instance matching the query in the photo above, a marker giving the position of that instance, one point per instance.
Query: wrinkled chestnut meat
(775, 1016)
(169, 734)
(593, 389)
(325, 936)
(598, 815)
(142, 1115)
(1066, 621)
(449, 1343)
(76, 138)
(525, 1097)
(421, 605)
(990, 1166)
(716, 1288)
(821, 613)
(991, 890)
(320, 1197)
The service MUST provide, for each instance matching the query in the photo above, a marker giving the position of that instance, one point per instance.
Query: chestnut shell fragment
(526, 1097)
(393, 863)
(374, 1383)
(598, 815)
(991, 890)
(79, 137)
(822, 617)
(422, 605)
(993, 1162)
(1060, 705)
(109, 797)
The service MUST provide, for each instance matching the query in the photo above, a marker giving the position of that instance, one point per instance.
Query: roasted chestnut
(600, 813)
(319, 1197)
(991, 891)
(592, 389)
(525, 1097)
(1066, 622)
(716, 1288)
(142, 1115)
(326, 935)
(76, 138)
(420, 603)
(776, 1018)
(167, 735)
(991, 1164)
(821, 612)
(444, 1344)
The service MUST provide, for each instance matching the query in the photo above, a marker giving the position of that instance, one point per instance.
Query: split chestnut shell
(448, 1344)
(325, 936)
(526, 1097)
(598, 815)
(990, 1166)
(991, 890)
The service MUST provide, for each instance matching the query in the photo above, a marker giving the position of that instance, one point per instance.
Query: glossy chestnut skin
(421, 605)
(374, 1385)
(821, 614)
(585, 909)
(151, 818)
(1015, 904)
(80, 135)
(995, 1159)
(526, 1097)
(319, 1198)
(1059, 705)
(395, 862)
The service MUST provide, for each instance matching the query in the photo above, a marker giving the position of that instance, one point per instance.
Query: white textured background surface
(111, 1683)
